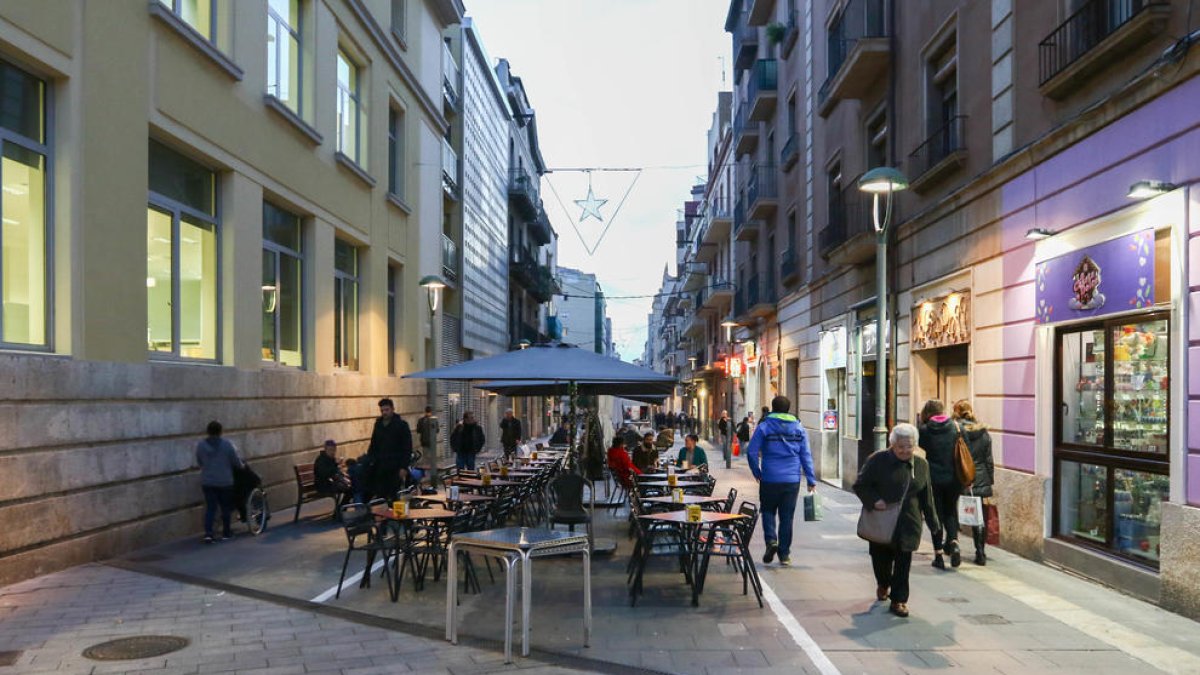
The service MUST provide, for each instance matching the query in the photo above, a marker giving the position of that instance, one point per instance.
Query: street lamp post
(434, 285)
(729, 324)
(884, 181)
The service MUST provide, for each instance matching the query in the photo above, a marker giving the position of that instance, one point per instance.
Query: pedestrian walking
(390, 453)
(428, 430)
(723, 425)
(217, 458)
(511, 434)
(898, 476)
(778, 452)
(979, 442)
(466, 440)
(937, 435)
(743, 431)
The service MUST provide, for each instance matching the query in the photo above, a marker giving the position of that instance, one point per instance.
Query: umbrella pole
(572, 393)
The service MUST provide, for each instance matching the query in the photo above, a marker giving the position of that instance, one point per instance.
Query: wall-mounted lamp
(1038, 234)
(1149, 188)
(434, 285)
(524, 344)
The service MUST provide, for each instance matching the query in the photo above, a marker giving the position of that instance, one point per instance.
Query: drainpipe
(892, 251)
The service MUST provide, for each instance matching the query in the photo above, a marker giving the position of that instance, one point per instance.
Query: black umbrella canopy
(637, 391)
(551, 362)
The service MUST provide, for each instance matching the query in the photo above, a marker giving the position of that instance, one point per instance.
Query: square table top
(464, 497)
(478, 482)
(690, 478)
(685, 484)
(413, 514)
(682, 517)
(520, 538)
(687, 499)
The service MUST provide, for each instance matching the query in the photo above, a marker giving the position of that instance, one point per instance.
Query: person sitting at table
(560, 436)
(691, 453)
(645, 457)
(620, 464)
(666, 438)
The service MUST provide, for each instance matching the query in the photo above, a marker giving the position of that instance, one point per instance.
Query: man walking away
(217, 458)
(466, 440)
(390, 451)
(782, 445)
(510, 434)
(428, 429)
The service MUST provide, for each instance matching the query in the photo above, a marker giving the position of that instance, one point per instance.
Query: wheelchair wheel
(257, 511)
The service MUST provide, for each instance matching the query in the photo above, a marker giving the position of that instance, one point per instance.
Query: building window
(1111, 456)
(396, 152)
(345, 306)
(877, 135)
(24, 153)
(399, 20)
(942, 70)
(392, 283)
(199, 14)
(349, 108)
(181, 257)
(282, 287)
(284, 60)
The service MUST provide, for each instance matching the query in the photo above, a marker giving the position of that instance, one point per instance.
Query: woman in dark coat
(881, 482)
(980, 443)
(937, 436)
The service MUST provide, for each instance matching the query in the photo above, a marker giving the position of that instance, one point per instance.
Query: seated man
(691, 453)
(620, 464)
(666, 438)
(328, 477)
(645, 457)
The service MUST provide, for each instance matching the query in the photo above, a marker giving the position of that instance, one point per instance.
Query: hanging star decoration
(591, 205)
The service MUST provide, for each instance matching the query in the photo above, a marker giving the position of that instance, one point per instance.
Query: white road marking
(347, 584)
(801, 636)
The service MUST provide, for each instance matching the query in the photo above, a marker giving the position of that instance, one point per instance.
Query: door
(866, 415)
(953, 382)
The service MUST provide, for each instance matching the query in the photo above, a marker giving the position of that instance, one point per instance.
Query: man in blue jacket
(780, 445)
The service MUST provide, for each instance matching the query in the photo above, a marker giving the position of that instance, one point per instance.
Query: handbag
(879, 527)
(964, 464)
(970, 510)
(812, 507)
(991, 516)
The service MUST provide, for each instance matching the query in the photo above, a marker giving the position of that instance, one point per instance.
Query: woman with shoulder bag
(979, 442)
(937, 437)
(894, 487)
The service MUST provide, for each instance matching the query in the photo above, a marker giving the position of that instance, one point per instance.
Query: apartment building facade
(1047, 147)
(582, 310)
(284, 157)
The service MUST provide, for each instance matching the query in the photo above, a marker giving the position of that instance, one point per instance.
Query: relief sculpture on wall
(942, 322)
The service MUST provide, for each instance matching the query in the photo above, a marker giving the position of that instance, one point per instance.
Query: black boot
(980, 536)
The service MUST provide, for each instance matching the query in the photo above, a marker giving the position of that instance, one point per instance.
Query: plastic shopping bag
(970, 511)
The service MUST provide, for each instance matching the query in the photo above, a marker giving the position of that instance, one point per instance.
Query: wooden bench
(306, 489)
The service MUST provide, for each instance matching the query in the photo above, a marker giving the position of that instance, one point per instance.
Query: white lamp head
(882, 180)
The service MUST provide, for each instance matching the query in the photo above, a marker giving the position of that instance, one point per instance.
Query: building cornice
(388, 47)
(448, 12)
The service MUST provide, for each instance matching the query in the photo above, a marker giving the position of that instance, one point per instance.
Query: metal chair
(358, 523)
(567, 490)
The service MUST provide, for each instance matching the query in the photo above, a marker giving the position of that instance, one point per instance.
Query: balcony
(760, 297)
(450, 88)
(1096, 34)
(449, 259)
(790, 152)
(759, 12)
(743, 229)
(717, 296)
(941, 154)
(762, 192)
(720, 219)
(539, 227)
(449, 169)
(522, 192)
(858, 53)
(849, 236)
(745, 132)
(536, 278)
(762, 92)
(745, 44)
(739, 303)
(789, 267)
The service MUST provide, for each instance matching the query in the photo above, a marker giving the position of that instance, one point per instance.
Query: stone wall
(98, 457)
(1021, 502)
(1180, 559)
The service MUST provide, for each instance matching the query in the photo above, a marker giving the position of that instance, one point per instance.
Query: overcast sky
(616, 83)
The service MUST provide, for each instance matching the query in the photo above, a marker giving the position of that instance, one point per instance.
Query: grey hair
(902, 430)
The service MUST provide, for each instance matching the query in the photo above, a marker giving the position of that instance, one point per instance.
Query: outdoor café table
(681, 477)
(477, 483)
(702, 500)
(513, 545)
(696, 564)
(430, 515)
(463, 498)
(685, 484)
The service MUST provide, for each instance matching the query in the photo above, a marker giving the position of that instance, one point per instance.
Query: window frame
(399, 29)
(278, 251)
(393, 281)
(176, 8)
(340, 279)
(356, 97)
(44, 148)
(298, 33)
(396, 151)
(177, 211)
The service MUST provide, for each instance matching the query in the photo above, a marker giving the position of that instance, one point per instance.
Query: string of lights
(593, 296)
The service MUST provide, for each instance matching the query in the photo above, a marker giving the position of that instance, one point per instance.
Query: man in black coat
(466, 440)
(390, 453)
(510, 433)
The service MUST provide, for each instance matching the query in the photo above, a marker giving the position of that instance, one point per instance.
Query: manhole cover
(9, 658)
(953, 600)
(986, 619)
(140, 647)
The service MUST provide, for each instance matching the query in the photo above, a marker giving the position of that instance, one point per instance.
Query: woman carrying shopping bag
(979, 441)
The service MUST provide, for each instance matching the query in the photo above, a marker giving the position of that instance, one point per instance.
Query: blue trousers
(465, 460)
(779, 498)
(214, 497)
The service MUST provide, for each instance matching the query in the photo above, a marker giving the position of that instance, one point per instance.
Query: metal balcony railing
(449, 76)
(764, 78)
(449, 258)
(449, 167)
(849, 217)
(789, 265)
(523, 190)
(941, 144)
(1083, 30)
(860, 19)
(745, 43)
(762, 185)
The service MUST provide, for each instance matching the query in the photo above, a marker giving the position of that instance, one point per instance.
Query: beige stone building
(212, 210)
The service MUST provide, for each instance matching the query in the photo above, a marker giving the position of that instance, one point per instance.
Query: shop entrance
(953, 384)
(832, 418)
(866, 415)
